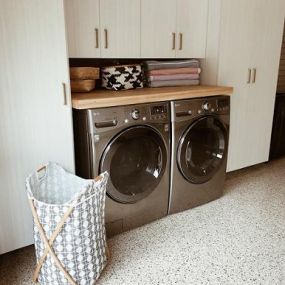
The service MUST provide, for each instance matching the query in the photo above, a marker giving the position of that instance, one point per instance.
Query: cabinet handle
(254, 75)
(173, 41)
(106, 38)
(64, 94)
(96, 38)
(180, 41)
(249, 76)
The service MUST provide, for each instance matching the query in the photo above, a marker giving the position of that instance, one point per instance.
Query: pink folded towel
(175, 71)
(173, 77)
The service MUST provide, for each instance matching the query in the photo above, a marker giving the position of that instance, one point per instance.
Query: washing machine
(132, 143)
(200, 132)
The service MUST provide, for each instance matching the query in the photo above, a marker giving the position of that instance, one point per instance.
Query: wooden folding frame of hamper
(48, 243)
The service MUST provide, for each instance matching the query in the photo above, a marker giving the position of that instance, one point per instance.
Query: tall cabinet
(35, 107)
(249, 52)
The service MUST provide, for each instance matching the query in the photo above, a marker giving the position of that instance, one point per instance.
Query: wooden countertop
(107, 98)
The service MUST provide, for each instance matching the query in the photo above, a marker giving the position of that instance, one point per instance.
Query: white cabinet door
(35, 125)
(158, 28)
(267, 36)
(192, 19)
(120, 28)
(250, 48)
(83, 28)
(234, 65)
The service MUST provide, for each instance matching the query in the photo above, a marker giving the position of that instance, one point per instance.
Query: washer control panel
(116, 117)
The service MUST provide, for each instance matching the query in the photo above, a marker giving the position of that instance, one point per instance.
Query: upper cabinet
(158, 28)
(82, 23)
(191, 30)
(120, 28)
(106, 28)
(173, 28)
(137, 28)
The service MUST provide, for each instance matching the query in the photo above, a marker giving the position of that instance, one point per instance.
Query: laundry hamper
(69, 226)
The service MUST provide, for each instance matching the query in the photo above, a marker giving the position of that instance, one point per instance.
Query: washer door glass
(202, 149)
(136, 160)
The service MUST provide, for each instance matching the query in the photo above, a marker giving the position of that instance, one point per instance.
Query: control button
(199, 111)
(144, 118)
(135, 114)
(206, 106)
(126, 121)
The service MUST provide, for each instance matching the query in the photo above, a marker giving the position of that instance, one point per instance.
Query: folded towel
(165, 83)
(174, 71)
(173, 77)
(167, 64)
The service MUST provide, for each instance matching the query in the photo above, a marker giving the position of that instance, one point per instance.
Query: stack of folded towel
(172, 73)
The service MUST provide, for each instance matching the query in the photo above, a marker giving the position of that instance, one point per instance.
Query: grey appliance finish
(133, 144)
(200, 131)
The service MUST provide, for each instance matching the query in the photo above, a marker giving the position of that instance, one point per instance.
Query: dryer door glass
(202, 149)
(136, 160)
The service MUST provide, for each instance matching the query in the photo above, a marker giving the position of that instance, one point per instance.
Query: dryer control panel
(202, 106)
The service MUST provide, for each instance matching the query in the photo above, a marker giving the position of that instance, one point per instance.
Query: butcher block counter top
(106, 98)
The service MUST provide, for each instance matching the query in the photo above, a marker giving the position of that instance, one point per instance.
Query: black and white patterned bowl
(122, 77)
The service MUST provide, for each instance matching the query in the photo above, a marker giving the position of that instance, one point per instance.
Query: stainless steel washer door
(202, 149)
(136, 160)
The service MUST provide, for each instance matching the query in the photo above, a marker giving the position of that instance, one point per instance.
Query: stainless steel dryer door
(136, 160)
(202, 149)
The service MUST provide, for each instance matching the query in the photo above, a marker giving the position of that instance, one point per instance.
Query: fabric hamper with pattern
(69, 226)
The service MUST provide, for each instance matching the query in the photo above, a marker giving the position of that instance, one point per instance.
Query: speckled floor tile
(237, 239)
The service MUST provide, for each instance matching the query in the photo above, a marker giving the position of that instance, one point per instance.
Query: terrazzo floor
(238, 239)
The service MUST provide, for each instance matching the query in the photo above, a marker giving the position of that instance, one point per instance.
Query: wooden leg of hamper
(108, 253)
(48, 243)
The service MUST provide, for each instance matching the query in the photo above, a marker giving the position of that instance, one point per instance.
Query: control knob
(206, 106)
(135, 114)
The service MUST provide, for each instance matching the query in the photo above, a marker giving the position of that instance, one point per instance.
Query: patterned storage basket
(69, 226)
(122, 77)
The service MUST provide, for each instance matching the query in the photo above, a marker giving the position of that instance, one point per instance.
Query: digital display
(155, 110)
(223, 103)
